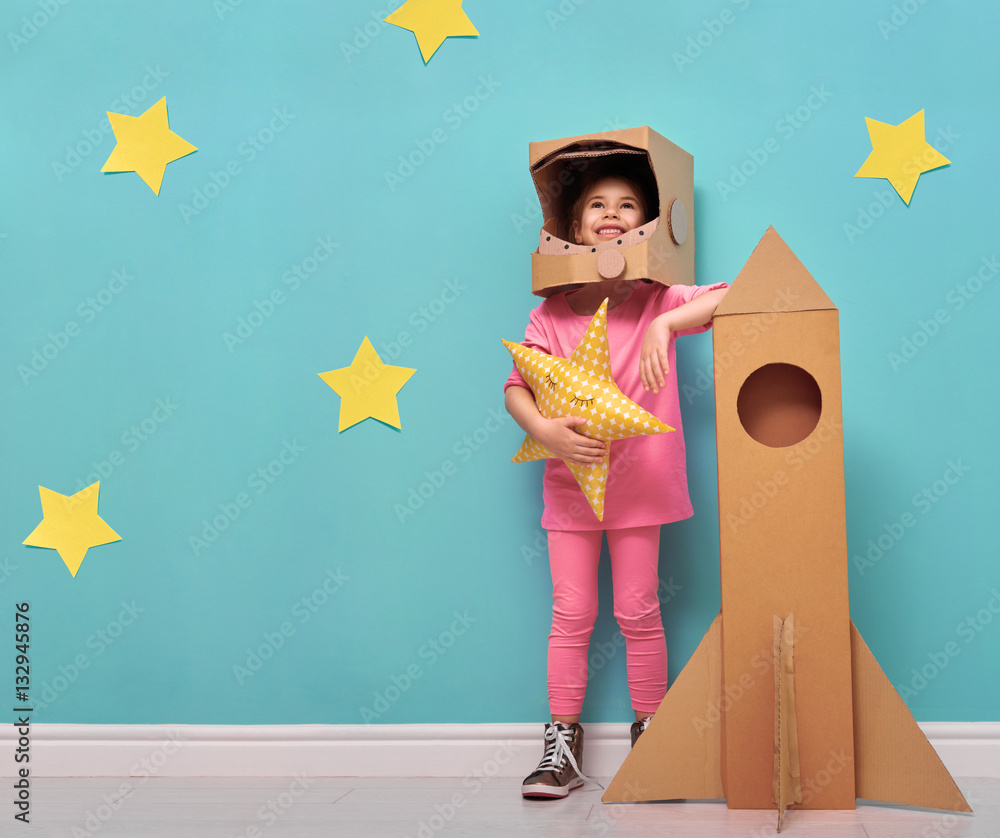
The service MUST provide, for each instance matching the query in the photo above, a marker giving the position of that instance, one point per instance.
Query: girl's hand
(561, 438)
(654, 360)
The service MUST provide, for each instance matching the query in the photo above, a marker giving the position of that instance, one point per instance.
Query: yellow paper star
(145, 145)
(581, 385)
(71, 525)
(900, 154)
(432, 21)
(367, 388)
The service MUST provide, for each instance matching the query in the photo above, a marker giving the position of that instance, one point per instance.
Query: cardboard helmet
(662, 249)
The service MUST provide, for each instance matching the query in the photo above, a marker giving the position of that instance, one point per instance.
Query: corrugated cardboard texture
(678, 755)
(786, 785)
(894, 762)
(782, 536)
(659, 258)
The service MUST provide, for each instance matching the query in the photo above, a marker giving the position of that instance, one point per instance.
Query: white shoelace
(558, 751)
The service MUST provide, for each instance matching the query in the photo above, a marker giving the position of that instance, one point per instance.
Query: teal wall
(441, 616)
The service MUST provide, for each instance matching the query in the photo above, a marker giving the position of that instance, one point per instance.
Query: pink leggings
(573, 556)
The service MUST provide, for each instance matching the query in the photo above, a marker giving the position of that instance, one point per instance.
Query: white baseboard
(968, 749)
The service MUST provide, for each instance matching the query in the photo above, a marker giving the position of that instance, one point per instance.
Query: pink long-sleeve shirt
(647, 482)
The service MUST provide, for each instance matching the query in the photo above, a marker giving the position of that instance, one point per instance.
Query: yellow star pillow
(581, 385)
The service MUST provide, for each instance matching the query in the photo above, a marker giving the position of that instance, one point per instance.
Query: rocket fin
(680, 753)
(893, 761)
(787, 782)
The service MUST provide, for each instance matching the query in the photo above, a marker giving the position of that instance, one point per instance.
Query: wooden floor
(421, 808)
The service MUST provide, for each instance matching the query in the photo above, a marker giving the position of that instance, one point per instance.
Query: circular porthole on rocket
(779, 405)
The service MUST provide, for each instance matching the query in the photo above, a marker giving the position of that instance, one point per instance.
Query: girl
(647, 485)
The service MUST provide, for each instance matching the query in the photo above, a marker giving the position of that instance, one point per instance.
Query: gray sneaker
(638, 728)
(561, 768)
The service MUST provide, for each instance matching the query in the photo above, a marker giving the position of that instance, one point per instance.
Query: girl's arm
(653, 360)
(557, 435)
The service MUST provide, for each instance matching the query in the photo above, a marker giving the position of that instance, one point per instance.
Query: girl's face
(610, 208)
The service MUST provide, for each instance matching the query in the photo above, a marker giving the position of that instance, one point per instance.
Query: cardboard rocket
(661, 250)
(782, 703)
